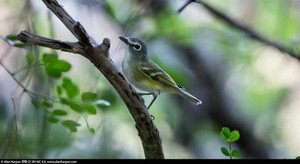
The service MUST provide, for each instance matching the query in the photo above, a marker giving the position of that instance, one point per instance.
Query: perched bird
(147, 76)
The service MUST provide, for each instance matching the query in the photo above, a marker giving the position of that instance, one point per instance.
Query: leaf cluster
(229, 137)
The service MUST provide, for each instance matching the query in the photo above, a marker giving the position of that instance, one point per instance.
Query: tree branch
(251, 33)
(98, 55)
(50, 43)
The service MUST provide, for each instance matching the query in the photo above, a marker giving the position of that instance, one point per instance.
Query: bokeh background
(244, 84)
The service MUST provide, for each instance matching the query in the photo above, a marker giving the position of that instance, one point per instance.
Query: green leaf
(53, 72)
(225, 134)
(62, 65)
(47, 104)
(58, 90)
(50, 57)
(76, 106)
(71, 89)
(59, 112)
(234, 136)
(30, 58)
(72, 125)
(88, 96)
(225, 151)
(20, 45)
(64, 101)
(101, 103)
(89, 108)
(56, 68)
(92, 130)
(235, 153)
(52, 119)
(12, 37)
(298, 157)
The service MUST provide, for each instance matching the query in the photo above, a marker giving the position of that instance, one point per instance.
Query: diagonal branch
(251, 33)
(99, 56)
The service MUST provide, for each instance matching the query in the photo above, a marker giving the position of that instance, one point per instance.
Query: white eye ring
(137, 47)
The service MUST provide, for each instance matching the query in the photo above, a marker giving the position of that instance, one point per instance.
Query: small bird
(147, 76)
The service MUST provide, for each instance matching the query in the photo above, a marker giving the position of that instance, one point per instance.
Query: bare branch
(99, 56)
(251, 33)
(50, 43)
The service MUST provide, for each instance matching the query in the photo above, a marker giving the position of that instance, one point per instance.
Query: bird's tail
(190, 97)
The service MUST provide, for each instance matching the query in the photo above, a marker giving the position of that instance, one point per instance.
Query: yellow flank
(144, 82)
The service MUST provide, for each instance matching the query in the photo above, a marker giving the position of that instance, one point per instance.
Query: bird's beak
(124, 39)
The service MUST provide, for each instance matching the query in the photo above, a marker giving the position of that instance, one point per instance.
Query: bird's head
(136, 46)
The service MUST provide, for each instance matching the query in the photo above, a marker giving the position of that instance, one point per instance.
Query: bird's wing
(153, 71)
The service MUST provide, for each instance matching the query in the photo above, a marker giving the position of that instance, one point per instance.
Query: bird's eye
(137, 47)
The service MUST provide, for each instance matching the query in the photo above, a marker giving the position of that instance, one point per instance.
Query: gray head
(136, 47)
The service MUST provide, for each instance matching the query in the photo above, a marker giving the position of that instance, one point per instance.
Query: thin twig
(185, 5)
(19, 83)
(251, 33)
(15, 79)
(16, 126)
